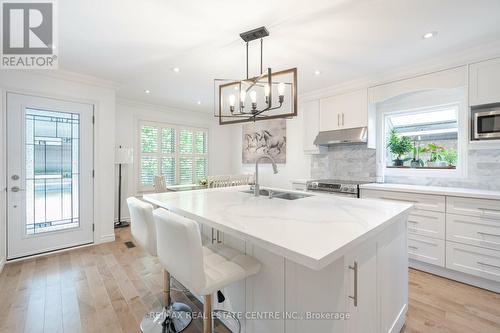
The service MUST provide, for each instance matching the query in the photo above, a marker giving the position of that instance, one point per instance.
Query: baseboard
(107, 238)
(456, 276)
(398, 324)
(2, 264)
(124, 219)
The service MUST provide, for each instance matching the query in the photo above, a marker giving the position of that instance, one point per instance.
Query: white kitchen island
(329, 264)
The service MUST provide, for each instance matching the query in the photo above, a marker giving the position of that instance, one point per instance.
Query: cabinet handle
(487, 234)
(414, 222)
(218, 236)
(338, 119)
(342, 118)
(355, 297)
(488, 265)
(402, 200)
(412, 247)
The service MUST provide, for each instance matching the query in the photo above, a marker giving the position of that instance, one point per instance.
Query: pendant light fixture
(267, 95)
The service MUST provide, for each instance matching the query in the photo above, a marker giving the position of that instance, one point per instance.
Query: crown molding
(76, 77)
(441, 63)
(156, 107)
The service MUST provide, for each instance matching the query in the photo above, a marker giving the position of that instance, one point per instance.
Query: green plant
(436, 153)
(399, 146)
(450, 157)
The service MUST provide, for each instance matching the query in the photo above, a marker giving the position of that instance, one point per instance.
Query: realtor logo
(28, 35)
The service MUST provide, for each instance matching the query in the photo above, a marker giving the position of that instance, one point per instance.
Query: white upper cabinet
(310, 112)
(348, 110)
(484, 82)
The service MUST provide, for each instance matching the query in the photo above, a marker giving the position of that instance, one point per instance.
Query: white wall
(77, 88)
(297, 166)
(129, 113)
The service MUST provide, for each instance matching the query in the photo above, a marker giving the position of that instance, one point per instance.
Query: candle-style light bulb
(281, 89)
(253, 97)
(232, 100)
(281, 92)
(243, 96)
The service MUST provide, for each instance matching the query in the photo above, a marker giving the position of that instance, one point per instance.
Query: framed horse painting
(266, 137)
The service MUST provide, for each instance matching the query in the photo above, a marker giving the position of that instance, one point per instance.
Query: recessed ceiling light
(429, 34)
(147, 91)
(199, 102)
(317, 72)
(176, 69)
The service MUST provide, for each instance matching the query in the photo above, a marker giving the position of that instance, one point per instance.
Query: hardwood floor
(108, 288)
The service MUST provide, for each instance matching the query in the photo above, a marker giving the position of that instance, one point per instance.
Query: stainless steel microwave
(486, 124)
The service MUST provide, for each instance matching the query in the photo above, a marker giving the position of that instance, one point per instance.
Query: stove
(334, 186)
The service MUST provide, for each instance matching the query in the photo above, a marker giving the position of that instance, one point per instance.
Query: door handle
(16, 189)
(355, 296)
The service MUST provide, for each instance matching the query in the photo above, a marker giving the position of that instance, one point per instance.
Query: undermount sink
(279, 194)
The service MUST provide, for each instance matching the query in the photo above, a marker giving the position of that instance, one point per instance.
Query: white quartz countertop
(312, 231)
(436, 190)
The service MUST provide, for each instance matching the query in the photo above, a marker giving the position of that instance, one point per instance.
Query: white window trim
(462, 145)
(140, 123)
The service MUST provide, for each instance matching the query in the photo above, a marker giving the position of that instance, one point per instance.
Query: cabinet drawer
(426, 249)
(434, 203)
(473, 207)
(427, 223)
(473, 260)
(473, 230)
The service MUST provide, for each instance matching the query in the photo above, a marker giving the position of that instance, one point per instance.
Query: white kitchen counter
(436, 190)
(312, 231)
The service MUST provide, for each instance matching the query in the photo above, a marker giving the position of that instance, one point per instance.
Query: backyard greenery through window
(424, 139)
(179, 154)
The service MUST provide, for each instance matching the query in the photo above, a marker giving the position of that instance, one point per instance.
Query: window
(425, 139)
(178, 153)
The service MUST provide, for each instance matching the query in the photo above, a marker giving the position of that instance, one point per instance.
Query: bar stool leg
(171, 318)
(207, 314)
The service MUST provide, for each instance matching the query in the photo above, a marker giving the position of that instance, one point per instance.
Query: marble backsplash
(356, 162)
(345, 162)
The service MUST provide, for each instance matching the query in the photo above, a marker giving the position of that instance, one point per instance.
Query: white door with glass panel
(49, 174)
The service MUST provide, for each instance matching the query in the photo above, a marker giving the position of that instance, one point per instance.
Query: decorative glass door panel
(50, 163)
(52, 171)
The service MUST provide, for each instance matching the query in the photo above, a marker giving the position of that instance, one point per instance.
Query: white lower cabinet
(474, 231)
(473, 260)
(425, 249)
(454, 236)
(361, 289)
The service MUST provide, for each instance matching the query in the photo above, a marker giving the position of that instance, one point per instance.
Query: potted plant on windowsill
(398, 146)
(436, 156)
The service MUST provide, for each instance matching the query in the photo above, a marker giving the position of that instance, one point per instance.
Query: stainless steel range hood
(342, 136)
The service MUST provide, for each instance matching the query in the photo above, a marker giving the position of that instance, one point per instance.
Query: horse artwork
(264, 137)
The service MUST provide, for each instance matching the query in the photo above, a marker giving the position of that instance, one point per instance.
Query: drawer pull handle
(490, 209)
(409, 201)
(412, 247)
(488, 265)
(414, 222)
(487, 234)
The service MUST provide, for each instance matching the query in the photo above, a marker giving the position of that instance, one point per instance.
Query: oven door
(487, 125)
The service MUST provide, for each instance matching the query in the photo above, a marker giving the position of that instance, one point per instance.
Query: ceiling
(137, 43)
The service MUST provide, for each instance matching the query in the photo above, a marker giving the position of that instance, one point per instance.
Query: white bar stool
(203, 270)
(143, 231)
